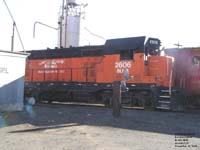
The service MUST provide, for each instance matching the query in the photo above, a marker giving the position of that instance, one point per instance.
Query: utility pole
(66, 16)
(12, 38)
(14, 27)
(178, 45)
(61, 23)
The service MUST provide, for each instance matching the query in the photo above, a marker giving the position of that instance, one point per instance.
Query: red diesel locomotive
(87, 74)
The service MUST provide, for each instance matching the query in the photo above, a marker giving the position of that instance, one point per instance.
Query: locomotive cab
(142, 60)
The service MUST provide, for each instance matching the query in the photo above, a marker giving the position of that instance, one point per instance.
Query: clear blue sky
(170, 20)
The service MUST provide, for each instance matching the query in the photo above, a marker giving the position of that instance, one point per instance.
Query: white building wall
(12, 72)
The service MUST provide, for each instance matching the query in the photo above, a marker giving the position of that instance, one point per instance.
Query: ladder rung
(166, 102)
(160, 107)
(165, 91)
(165, 96)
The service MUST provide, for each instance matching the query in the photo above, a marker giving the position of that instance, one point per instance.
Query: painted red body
(186, 69)
(103, 69)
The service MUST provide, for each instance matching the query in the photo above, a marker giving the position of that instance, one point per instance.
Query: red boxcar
(186, 71)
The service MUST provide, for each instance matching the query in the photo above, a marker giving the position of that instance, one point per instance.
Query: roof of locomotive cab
(131, 43)
(112, 46)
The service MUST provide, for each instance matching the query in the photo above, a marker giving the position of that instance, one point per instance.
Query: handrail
(67, 72)
(170, 82)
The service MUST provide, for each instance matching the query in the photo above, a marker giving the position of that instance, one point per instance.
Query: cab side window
(196, 60)
(126, 55)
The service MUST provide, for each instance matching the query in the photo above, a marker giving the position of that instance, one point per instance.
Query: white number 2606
(122, 64)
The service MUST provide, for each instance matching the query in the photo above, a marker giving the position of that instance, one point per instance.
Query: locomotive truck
(86, 74)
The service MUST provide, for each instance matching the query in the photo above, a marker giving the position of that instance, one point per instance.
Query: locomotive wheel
(142, 99)
(98, 97)
(50, 101)
(46, 96)
(106, 99)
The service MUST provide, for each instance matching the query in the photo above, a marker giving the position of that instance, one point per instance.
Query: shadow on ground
(44, 116)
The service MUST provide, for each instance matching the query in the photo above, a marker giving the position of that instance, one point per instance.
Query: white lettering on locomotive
(154, 42)
(122, 65)
(51, 65)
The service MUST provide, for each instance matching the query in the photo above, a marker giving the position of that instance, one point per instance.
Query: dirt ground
(69, 127)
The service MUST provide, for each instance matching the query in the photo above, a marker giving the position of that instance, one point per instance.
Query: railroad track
(53, 104)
